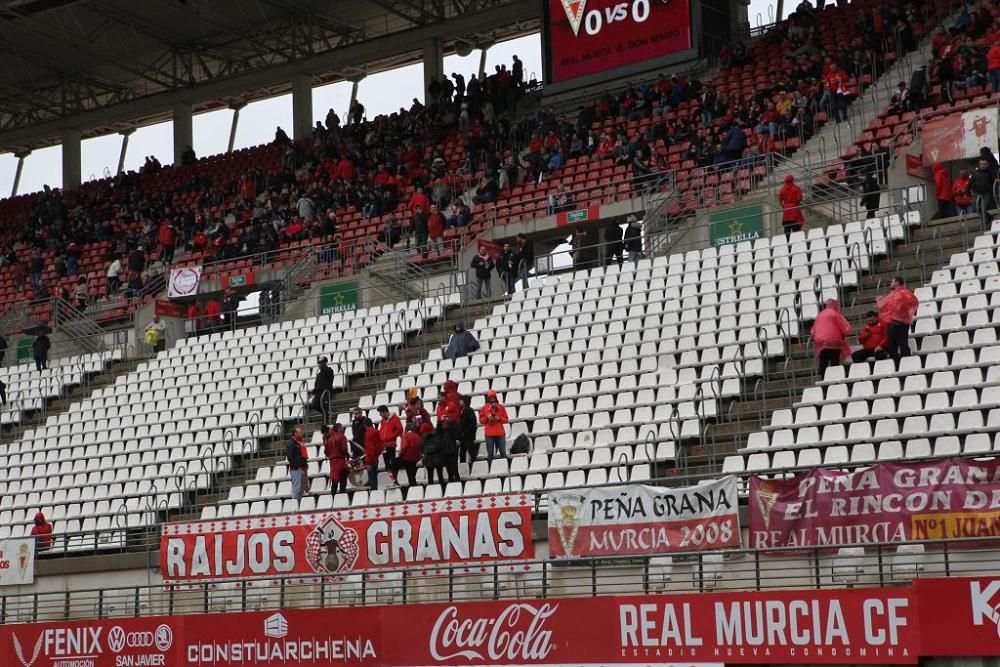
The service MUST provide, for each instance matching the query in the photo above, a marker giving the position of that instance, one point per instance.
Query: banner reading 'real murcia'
(637, 519)
(419, 535)
(888, 502)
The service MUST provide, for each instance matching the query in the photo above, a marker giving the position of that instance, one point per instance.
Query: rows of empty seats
(133, 449)
(943, 400)
(29, 389)
(608, 370)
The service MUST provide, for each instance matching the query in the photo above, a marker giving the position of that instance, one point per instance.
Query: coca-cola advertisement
(866, 626)
(425, 536)
(638, 519)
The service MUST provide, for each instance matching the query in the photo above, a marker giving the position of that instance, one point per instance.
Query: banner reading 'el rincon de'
(889, 502)
(637, 519)
(446, 532)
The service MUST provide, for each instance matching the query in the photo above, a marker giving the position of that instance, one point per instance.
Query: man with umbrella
(41, 345)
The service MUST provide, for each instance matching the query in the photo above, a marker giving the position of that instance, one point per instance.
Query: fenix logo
(60, 643)
(985, 605)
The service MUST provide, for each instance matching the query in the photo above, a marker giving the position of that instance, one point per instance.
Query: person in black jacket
(615, 248)
(358, 428)
(433, 457)
(40, 349)
(507, 268)
(983, 178)
(322, 390)
(483, 265)
(526, 258)
(297, 455)
(633, 239)
(468, 422)
(871, 193)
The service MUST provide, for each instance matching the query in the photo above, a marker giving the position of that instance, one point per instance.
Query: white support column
(433, 64)
(71, 165)
(124, 150)
(302, 112)
(183, 132)
(483, 50)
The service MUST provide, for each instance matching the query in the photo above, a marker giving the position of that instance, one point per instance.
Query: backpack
(521, 445)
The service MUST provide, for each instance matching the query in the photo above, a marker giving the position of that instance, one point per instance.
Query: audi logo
(119, 640)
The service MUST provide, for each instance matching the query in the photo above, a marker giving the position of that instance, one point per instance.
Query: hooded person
(42, 532)
(493, 417)
(829, 333)
(337, 453)
(790, 197)
(897, 310)
(943, 191)
(462, 343)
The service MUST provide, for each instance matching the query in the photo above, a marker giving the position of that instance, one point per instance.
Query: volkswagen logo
(164, 637)
(116, 639)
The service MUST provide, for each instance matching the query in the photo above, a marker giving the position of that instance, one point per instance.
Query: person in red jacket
(168, 241)
(409, 454)
(42, 531)
(419, 199)
(373, 452)
(390, 428)
(336, 451)
(993, 65)
(829, 334)
(872, 339)
(435, 229)
(961, 193)
(897, 310)
(448, 402)
(494, 418)
(790, 198)
(942, 188)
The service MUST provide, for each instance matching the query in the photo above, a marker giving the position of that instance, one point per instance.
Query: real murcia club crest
(567, 519)
(766, 498)
(574, 12)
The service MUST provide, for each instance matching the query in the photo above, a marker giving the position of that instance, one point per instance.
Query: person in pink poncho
(897, 310)
(829, 333)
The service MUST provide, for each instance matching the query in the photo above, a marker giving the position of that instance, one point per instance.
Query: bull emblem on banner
(331, 548)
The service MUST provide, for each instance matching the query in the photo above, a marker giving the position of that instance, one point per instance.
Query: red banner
(591, 36)
(639, 519)
(959, 136)
(971, 624)
(866, 626)
(165, 308)
(422, 534)
(889, 502)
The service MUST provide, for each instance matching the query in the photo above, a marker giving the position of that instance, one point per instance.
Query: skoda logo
(116, 639)
(164, 638)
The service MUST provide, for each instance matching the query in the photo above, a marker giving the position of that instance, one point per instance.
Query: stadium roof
(103, 65)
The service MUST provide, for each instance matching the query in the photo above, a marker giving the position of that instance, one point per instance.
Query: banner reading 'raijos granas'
(440, 533)
(889, 502)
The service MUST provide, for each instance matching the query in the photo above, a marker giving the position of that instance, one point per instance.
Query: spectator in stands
(447, 434)
(409, 453)
(212, 315)
(322, 390)
(871, 194)
(390, 429)
(155, 334)
(993, 65)
(193, 316)
(943, 191)
(358, 427)
(3, 393)
(188, 156)
(113, 274)
(168, 241)
(40, 350)
(42, 532)
(961, 191)
(918, 88)
(790, 197)
(37, 267)
(431, 453)
(468, 423)
(829, 332)
(897, 310)
(983, 178)
(297, 456)
(373, 452)
(525, 258)
(81, 293)
(280, 137)
(337, 453)
(482, 265)
(486, 191)
(418, 223)
(507, 268)
(735, 143)
(3, 348)
(614, 245)
(494, 418)
(633, 238)
(642, 171)
(872, 339)
(461, 343)
(435, 230)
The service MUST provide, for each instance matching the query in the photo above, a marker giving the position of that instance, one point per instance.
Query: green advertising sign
(577, 216)
(338, 297)
(734, 225)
